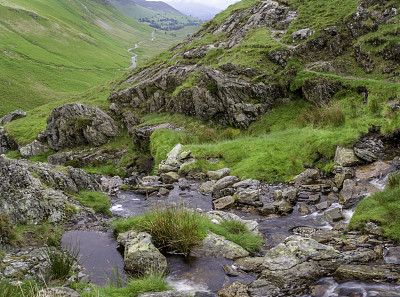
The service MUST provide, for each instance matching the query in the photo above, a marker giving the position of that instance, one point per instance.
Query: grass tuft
(325, 115)
(61, 262)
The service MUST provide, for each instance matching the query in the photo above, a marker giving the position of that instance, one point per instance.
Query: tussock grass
(27, 288)
(61, 262)
(394, 181)
(325, 115)
(179, 229)
(152, 282)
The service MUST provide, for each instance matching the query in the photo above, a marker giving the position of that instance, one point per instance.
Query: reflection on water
(98, 254)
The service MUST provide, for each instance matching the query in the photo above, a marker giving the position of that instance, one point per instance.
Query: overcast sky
(221, 4)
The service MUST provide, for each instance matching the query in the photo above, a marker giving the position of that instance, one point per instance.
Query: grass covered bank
(382, 208)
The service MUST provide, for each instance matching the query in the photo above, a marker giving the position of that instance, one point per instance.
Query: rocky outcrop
(33, 149)
(12, 116)
(140, 255)
(216, 96)
(320, 92)
(346, 157)
(23, 199)
(75, 124)
(6, 143)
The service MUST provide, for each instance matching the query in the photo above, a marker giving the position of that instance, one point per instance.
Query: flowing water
(100, 257)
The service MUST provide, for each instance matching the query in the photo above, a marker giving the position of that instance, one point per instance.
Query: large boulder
(23, 197)
(140, 255)
(298, 260)
(217, 246)
(12, 116)
(354, 192)
(71, 125)
(33, 149)
(346, 157)
(6, 143)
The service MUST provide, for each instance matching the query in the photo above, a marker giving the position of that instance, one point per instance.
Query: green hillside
(51, 49)
(156, 14)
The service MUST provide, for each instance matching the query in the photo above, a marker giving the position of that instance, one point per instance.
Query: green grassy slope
(51, 49)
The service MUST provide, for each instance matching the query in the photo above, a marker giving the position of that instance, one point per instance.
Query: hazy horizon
(221, 4)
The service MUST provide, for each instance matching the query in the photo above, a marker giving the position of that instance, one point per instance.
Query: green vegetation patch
(100, 202)
(382, 208)
(26, 288)
(152, 282)
(179, 229)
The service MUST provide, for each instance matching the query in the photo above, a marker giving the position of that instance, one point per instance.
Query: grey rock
(290, 194)
(320, 91)
(250, 264)
(283, 207)
(248, 183)
(219, 216)
(248, 196)
(267, 210)
(342, 174)
(23, 199)
(115, 109)
(304, 210)
(235, 289)
(301, 34)
(224, 203)
(353, 192)
(313, 199)
(365, 155)
(166, 294)
(217, 246)
(306, 176)
(319, 235)
(130, 120)
(169, 177)
(334, 214)
(75, 124)
(230, 271)
(373, 228)
(173, 161)
(6, 143)
(367, 273)
(140, 255)
(58, 292)
(224, 192)
(216, 175)
(12, 116)
(298, 261)
(323, 205)
(33, 149)
(207, 187)
(225, 182)
(346, 157)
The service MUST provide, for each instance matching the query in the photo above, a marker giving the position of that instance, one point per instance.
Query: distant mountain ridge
(195, 9)
(156, 14)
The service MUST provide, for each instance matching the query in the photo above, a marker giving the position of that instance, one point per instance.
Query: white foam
(187, 286)
(116, 207)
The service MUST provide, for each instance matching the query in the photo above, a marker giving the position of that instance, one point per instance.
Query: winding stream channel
(133, 59)
(101, 258)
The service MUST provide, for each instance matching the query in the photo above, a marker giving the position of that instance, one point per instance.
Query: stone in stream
(12, 116)
(342, 173)
(166, 294)
(220, 216)
(216, 175)
(374, 170)
(224, 182)
(169, 177)
(354, 192)
(373, 228)
(323, 205)
(248, 196)
(365, 155)
(230, 271)
(253, 264)
(224, 203)
(217, 246)
(283, 207)
(140, 255)
(306, 176)
(304, 210)
(346, 157)
(367, 273)
(334, 214)
(207, 187)
(314, 199)
(248, 183)
(235, 289)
